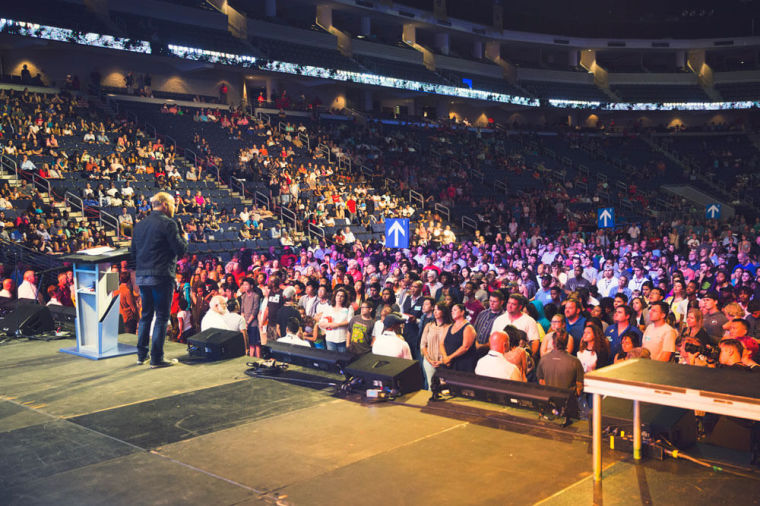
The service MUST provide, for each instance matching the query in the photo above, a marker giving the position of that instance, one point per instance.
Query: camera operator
(738, 330)
(732, 355)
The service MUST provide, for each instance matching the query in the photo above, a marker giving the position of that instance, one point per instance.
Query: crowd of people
(518, 290)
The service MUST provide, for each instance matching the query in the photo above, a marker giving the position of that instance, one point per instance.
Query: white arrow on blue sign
(605, 217)
(712, 211)
(396, 233)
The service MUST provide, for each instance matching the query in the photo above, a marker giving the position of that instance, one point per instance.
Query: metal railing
(315, 231)
(440, 208)
(325, 149)
(478, 174)
(239, 182)
(166, 140)
(218, 172)
(287, 215)
(368, 172)
(261, 200)
(344, 161)
(468, 222)
(304, 137)
(281, 125)
(189, 154)
(261, 116)
(42, 184)
(8, 164)
(73, 202)
(417, 198)
(108, 219)
(501, 185)
(148, 129)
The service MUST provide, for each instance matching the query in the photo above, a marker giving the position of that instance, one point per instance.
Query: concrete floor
(76, 431)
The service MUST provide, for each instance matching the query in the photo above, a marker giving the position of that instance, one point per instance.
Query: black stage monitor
(559, 401)
(324, 360)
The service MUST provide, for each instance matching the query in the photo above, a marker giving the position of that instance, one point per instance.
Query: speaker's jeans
(156, 300)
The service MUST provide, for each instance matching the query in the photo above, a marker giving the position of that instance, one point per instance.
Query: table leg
(597, 441)
(636, 430)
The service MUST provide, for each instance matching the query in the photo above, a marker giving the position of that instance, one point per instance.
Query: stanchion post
(597, 441)
(636, 430)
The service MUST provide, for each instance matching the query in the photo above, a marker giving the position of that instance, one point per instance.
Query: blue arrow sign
(712, 211)
(605, 217)
(396, 233)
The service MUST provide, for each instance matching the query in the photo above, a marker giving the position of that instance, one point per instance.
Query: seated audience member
(659, 337)
(494, 364)
(732, 355)
(630, 346)
(738, 329)
(390, 342)
(560, 369)
(291, 335)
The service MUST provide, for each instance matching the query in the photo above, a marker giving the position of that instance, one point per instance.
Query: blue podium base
(122, 349)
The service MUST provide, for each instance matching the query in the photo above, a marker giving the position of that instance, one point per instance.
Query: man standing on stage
(157, 241)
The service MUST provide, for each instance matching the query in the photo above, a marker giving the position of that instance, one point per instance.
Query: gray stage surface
(76, 431)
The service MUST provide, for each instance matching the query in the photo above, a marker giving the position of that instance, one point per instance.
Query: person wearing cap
(714, 319)
(390, 342)
(494, 364)
(544, 293)
(607, 282)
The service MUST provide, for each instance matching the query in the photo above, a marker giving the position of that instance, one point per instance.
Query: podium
(97, 312)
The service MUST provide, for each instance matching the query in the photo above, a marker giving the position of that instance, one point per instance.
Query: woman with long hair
(678, 301)
(639, 306)
(594, 348)
(693, 333)
(457, 348)
(432, 336)
(336, 320)
(360, 293)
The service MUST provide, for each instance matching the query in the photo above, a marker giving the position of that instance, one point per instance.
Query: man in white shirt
(214, 318)
(28, 288)
(235, 320)
(390, 343)
(7, 291)
(659, 337)
(494, 364)
(291, 336)
(514, 316)
(607, 282)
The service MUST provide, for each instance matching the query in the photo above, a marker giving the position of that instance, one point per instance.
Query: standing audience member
(433, 336)
(494, 364)
(390, 342)
(458, 346)
(659, 337)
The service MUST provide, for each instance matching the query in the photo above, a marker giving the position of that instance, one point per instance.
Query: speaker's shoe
(160, 365)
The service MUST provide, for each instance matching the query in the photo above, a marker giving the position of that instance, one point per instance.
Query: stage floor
(77, 431)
